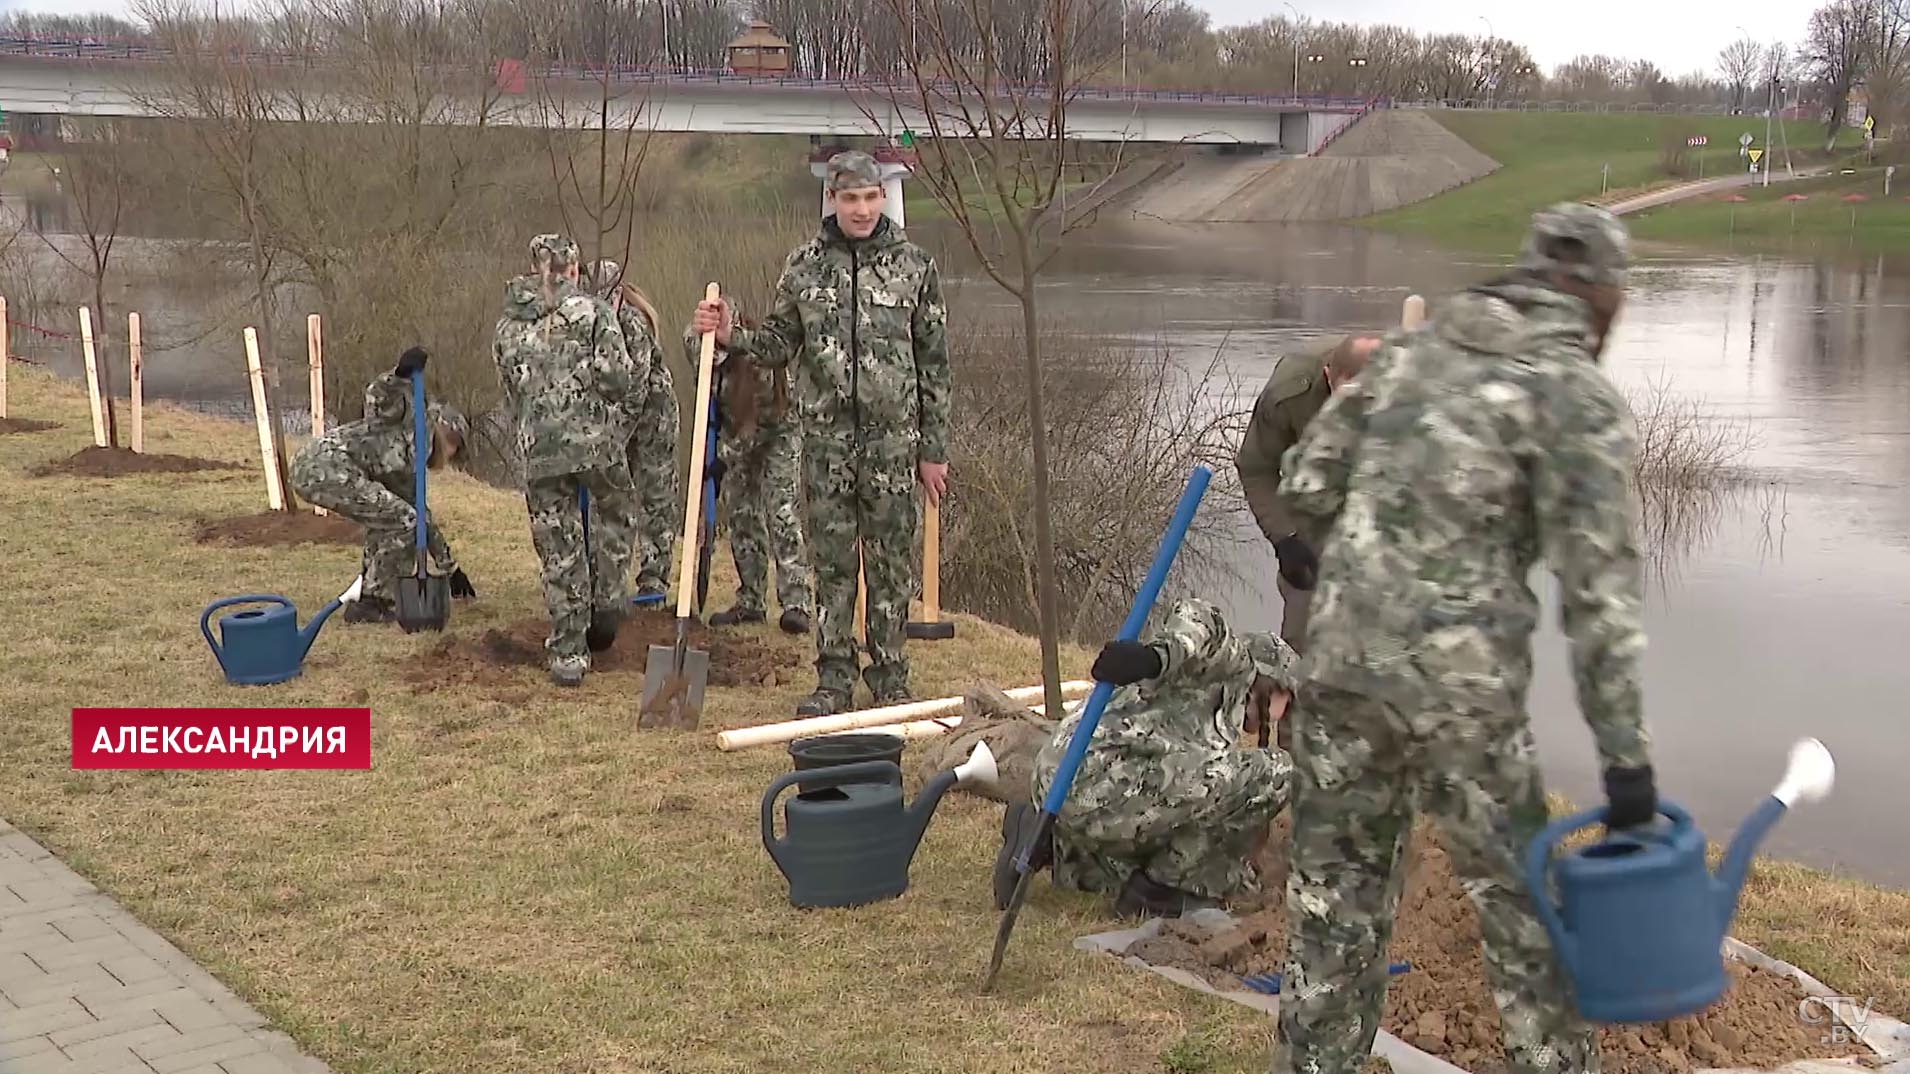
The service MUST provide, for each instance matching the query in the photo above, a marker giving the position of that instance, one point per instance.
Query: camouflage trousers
(391, 537)
(764, 510)
(1362, 768)
(652, 457)
(575, 582)
(1197, 838)
(861, 498)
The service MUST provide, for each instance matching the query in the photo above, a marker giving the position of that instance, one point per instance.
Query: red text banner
(303, 738)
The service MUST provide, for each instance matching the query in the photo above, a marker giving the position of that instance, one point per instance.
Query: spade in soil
(424, 600)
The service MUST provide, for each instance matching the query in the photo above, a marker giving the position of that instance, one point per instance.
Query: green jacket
(1294, 394)
(864, 332)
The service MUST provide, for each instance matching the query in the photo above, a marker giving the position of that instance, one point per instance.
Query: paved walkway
(86, 989)
(1682, 191)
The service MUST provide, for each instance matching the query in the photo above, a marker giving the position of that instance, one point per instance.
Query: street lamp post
(1296, 49)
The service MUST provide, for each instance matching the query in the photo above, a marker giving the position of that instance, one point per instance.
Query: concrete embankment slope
(1388, 159)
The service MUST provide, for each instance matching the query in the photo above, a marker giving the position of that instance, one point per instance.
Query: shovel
(424, 602)
(706, 546)
(675, 676)
(1030, 859)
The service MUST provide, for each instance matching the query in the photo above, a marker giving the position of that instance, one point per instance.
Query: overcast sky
(1680, 36)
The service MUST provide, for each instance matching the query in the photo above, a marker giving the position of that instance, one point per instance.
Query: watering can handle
(1538, 860)
(205, 617)
(832, 776)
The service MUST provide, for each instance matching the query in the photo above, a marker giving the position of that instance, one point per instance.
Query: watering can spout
(979, 768)
(310, 634)
(1807, 778)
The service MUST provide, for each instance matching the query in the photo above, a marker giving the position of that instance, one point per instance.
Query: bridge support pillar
(896, 165)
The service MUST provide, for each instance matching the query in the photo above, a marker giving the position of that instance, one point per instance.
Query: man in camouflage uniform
(759, 454)
(1165, 812)
(575, 394)
(1433, 484)
(363, 470)
(1298, 388)
(859, 319)
(652, 451)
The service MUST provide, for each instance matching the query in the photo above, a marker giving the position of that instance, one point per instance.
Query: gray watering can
(1641, 920)
(265, 645)
(849, 841)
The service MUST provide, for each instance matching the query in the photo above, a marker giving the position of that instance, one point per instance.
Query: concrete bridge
(80, 78)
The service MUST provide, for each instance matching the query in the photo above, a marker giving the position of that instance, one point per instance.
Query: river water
(1783, 611)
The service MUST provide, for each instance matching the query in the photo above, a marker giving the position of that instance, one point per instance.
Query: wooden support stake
(862, 598)
(138, 381)
(790, 730)
(274, 495)
(3, 357)
(1414, 313)
(315, 353)
(92, 377)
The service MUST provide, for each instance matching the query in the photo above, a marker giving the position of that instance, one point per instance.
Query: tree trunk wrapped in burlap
(1014, 735)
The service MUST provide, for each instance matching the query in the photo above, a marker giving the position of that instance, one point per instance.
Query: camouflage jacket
(1294, 393)
(379, 444)
(1437, 479)
(646, 352)
(863, 329)
(568, 379)
(1170, 731)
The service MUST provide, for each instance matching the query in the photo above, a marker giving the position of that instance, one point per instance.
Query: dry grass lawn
(524, 881)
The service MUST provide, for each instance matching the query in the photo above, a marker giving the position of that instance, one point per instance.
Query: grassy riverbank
(1550, 157)
(525, 881)
(1823, 222)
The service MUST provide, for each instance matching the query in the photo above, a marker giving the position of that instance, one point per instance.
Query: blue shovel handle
(419, 448)
(1130, 631)
(1269, 983)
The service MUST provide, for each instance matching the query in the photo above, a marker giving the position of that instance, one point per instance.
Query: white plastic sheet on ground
(1884, 1035)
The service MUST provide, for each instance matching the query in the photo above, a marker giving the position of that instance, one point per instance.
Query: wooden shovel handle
(693, 497)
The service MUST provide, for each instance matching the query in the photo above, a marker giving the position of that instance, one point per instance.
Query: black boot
(1143, 897)
(370, 610)
(795, 621)
(737, 616)
(1018, 825)
(602, 633)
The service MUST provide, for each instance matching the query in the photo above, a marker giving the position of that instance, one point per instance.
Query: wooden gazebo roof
(759, 35)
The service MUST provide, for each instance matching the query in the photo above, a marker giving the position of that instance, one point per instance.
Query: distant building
(759, 52)
(1856, 106)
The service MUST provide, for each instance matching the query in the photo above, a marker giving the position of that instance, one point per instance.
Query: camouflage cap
(852, 170)
(448, 418)
(1274, 658)
(1581, 241)
(602, 274)
(562, 251)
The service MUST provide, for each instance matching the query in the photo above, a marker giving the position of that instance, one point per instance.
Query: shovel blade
(423, 603)
(673, 694)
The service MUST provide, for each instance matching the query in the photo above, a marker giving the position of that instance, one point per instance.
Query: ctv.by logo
(1824, 1011)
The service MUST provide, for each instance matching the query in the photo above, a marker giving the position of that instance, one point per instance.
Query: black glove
(1123, 663)
(1631, 797)
(411, 362)
(1298, 565)
(715, 471)
(461, 585)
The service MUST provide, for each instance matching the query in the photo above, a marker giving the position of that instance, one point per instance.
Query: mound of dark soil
(1444, 1006)
(279, 528)
(735, 659)
(124, 462)
(23, 425)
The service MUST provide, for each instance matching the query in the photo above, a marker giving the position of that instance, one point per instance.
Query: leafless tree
(1835, 48)
(95, 173)
(1739, 63)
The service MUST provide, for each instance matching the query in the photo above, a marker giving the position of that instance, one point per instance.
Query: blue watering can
(265, 645)
(1641, 921)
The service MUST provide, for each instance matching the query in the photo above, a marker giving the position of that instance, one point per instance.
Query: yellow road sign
(1755, 154)
(1870, 124)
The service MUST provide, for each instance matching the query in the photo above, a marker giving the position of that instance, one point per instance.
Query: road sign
(1745, 139)
(1755, 154)
(1870, 124)
(1699, 140)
